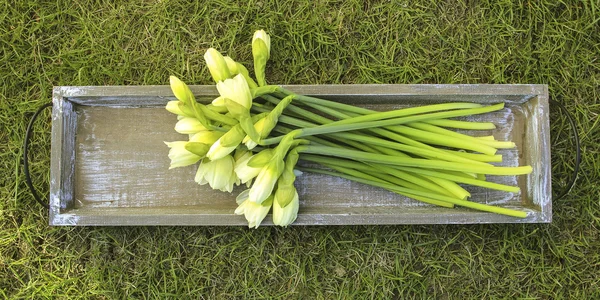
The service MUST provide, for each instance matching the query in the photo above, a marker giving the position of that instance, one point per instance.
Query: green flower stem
(365, 176)
(332, 104)
(428, 151)
(305, 124)
(217, 109)
(444, 140)
(461, 179)
(301, 112)
(410, 174)
(450, 133)
(332, 127)
(451, 186)
(218, 128)
(426, 197)
(414, 162)
(264, 90)
(473, 205)
(420, 117)
(212, 115)
(389, 174)
(405, 112)
(476, 156)
(404, 183)
(408, 141)
(462, 124)
(409, 149)
(357, 145)
(440, 185)
(382, 144)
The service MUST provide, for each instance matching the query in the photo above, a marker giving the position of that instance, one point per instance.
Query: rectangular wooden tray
(109, 164)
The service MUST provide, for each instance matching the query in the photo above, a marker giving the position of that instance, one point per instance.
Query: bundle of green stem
(255, 134)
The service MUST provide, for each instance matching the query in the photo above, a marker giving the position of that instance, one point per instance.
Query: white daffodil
(227, 143)
(235, 89)
(232, 66)
(217, 66)
(208, 137)
(265, 181)
(255, 213)
(189, 126)
(218, 151)
(259, 126)
(178, 108)
(284, 216)
(244, 172)
(261, 51)
(218, 173)
(179, 156)
(262, 35)
(236, 68)
(181, 90)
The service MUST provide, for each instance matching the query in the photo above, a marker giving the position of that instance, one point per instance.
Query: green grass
(51, 43)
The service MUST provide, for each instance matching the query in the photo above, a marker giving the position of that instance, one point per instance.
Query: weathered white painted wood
(110, 166)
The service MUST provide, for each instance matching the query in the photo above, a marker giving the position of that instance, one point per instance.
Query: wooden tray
(110, 166)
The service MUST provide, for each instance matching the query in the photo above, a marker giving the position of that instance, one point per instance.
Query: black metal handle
(26, 159)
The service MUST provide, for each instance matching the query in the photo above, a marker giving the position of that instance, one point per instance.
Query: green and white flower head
(181, 91)
(265, 38)
(232, 66)
(218, 173)
(261, 51)
(217, 66)
(243, 171)
(235, 68)
(284, 216)
(265, 181)
(227, 143)
(217, 150)
(235, 89)
(179, 156)
(177, 107)
(208, 137)
(255, 213)
(188, 125)
(259, 126)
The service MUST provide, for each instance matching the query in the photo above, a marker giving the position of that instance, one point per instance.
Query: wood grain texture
(120, 173)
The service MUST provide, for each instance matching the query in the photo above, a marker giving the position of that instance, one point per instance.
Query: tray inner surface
(121, 162)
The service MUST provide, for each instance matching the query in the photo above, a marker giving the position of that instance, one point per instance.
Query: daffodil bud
(235, 89)
(260, 128)
(208, 137)
(189, 126)
(177, 107)
(243, 171)
(199, 149)
(231, 65)
(261, 159)
(284, 216)
(285, 184)
(254, 212)
(218, 173)
(261, 51)
(265, 181)
(217, 66)
(265, 38)
(244, 72)
(227, 143)
(181, 91)
(180, 157)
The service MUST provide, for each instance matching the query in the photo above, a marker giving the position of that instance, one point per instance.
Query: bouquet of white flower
(254, 134)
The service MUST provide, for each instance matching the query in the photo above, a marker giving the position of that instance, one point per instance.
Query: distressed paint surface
(121, 174)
